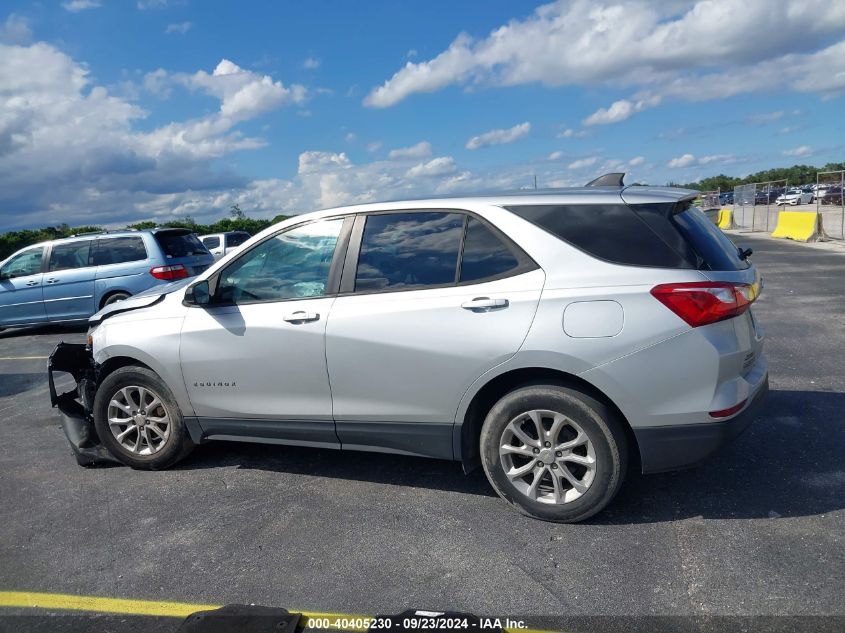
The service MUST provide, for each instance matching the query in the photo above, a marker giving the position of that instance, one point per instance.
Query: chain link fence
(710, 200)
(830, 202)
(744, 196)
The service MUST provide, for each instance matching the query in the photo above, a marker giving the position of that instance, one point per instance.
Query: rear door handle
(53, 280)
(301, 316)
(483, 304)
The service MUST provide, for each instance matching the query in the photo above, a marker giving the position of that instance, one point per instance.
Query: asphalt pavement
(758, 530)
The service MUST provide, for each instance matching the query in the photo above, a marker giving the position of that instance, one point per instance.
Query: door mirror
(198, 294)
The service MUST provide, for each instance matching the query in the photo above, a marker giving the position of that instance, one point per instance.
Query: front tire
(138, 420)
(553, 453)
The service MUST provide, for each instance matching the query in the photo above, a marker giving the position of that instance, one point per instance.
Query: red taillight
(702, 302)
(169, 273)
(729, 411)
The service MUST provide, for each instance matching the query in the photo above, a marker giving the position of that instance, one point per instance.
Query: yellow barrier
(801, 226)
(726, 219)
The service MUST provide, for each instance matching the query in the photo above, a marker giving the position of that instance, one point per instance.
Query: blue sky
(119, 110)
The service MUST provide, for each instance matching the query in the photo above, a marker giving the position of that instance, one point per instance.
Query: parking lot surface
(756, 530)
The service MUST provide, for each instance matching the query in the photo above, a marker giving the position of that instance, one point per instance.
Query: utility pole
(535, 181)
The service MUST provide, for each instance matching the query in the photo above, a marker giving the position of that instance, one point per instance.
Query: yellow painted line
(128, 606)
(24, 357)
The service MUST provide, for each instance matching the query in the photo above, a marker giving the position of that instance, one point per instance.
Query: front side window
(485, 255)
(23, 264)
(409, 250)
(70, 255)
(119, 250)
(294, 264)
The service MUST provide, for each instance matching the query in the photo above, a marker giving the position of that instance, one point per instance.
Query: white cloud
(681, 161)
(556, 155)
(439, 166)
(763, 118)
(661, 48)
(620, 110)
(374, 146)
(70, 149)
(570, 133)
(717, 158)
(420, 150)
(583, 162)
(180, 28)
(151, 4)
(74, 6)
(350, 137)
(803, 150)
(637, 160)
(499, 137)
(15, 30)
(311, 63)
(243, 93)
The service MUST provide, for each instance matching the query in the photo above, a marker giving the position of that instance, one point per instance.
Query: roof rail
(608, 180)
(103, 232)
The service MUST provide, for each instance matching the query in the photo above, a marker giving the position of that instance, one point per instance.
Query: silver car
(555, 338)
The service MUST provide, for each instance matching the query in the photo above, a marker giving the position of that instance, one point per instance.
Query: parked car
(71, 279)
(794, 197)
(554, 338)
(220, 244)
(833, 195)
(726, 198)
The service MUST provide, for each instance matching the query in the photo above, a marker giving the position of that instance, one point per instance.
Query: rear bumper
(75, 405)
(664, 448)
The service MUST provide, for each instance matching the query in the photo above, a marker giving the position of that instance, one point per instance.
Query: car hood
(144, 299)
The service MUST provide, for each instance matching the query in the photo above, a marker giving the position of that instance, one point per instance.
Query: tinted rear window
(236, 239)
(485, 255)
(119, 250)
(177, 244)
(716, 250)
(409, 250)
(211, 242)
(612, 232)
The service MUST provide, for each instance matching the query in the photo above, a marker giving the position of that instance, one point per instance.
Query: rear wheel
(553, 452)
(114, 298)
(138, 420)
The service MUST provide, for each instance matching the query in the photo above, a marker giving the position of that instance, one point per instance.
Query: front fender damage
(76, 405)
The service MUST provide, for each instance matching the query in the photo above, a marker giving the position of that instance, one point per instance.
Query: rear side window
(716, 250)
(484, 255)
(119, 250)
(236, 239)
(612, 232)
(69, 255)
(409, 250)
(211, 242)
(179, 244)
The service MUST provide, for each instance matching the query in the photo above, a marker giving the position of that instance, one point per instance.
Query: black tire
(114, 298)
(596, 420)
(178, 443)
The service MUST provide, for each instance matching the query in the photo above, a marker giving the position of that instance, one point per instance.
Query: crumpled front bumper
(76, 405)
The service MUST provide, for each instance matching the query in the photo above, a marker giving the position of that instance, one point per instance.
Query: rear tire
(114, 298)
(570, 473)
(138, 420)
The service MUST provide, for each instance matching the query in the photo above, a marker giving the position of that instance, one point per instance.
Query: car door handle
(301, 316)
(53, 280)
(484, 304)
(31, 283)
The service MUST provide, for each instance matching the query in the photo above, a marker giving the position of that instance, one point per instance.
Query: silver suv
(553, 337)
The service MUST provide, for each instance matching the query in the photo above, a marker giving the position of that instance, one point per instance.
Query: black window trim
(350, 269)
(335, 268)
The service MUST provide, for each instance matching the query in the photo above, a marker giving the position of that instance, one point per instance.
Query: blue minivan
(70, 279)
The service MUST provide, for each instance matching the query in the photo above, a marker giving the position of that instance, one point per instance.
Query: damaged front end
(76, 406)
